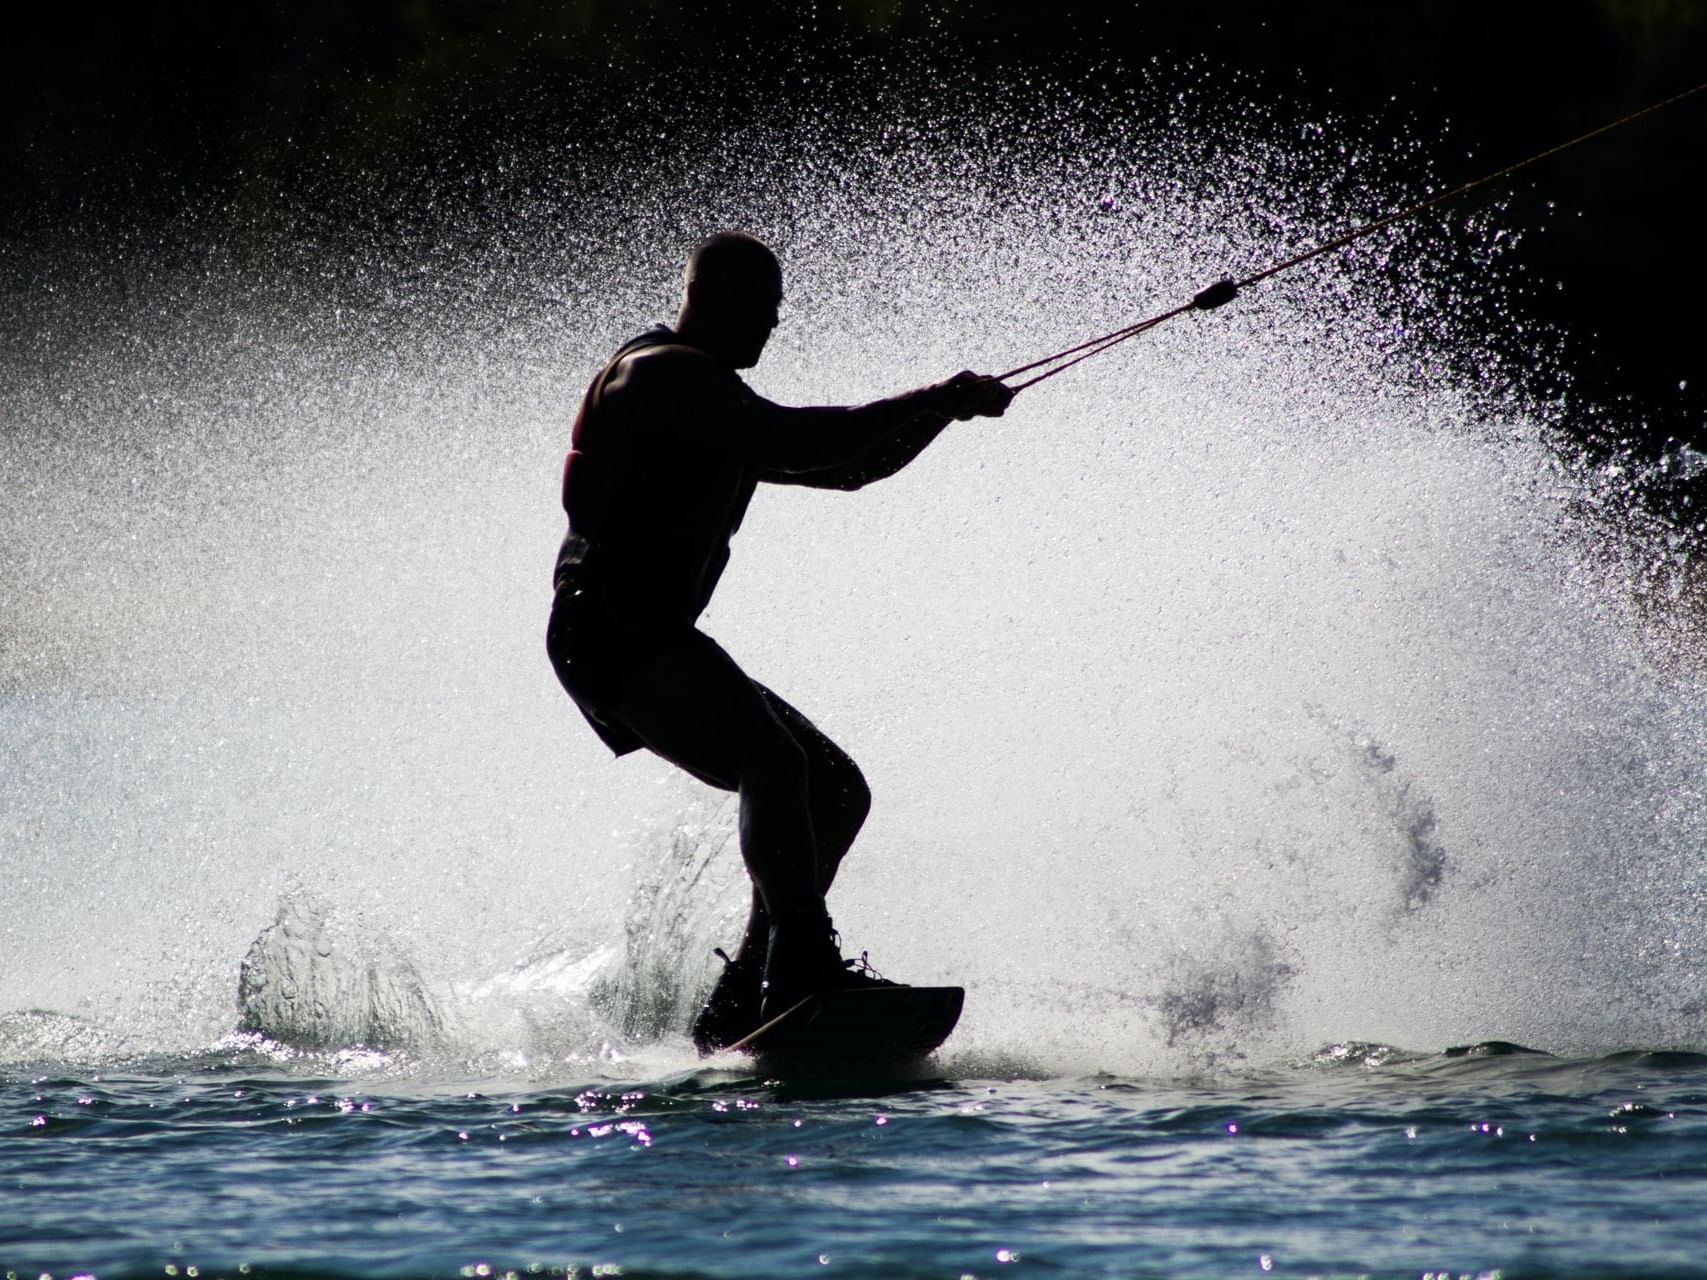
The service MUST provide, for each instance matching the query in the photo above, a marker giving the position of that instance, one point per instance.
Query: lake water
(1357, 1163)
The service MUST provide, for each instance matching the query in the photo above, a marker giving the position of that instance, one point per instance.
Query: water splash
(299, 985)
(1277, 680)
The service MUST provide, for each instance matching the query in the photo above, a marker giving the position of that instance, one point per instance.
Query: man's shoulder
(664, 366)
(668, 357)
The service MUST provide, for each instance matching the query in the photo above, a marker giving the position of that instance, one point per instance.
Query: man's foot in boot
(805, 958)
(731, 1011)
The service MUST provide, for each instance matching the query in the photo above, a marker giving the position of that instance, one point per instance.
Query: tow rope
(1225, 290)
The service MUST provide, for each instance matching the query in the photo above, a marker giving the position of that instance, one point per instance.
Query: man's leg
(697, 709)
(803, 953)
(803, 801)
(837, 795)
(837, 802)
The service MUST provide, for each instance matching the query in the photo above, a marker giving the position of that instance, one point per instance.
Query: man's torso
(658, 479)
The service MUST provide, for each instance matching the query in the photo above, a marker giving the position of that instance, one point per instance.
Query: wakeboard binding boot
(804, 958)
(731, 1011)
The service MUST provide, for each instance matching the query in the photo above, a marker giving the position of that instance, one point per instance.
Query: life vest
(585, 497)
(652, 504)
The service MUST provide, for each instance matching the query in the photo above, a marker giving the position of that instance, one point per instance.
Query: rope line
(1223, 291)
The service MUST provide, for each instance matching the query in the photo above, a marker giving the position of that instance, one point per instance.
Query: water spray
(1225, 290)
(1302, 650)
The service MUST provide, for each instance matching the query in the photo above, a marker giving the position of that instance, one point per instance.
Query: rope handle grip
(1218, 294)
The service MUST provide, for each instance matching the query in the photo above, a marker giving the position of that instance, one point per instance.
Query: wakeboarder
(667, 451)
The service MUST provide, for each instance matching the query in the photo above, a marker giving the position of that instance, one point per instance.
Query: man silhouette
(666, 453)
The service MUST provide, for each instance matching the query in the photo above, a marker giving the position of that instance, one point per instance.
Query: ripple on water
(1395, 1168)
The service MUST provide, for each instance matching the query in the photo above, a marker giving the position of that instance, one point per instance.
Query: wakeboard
(857, 1028)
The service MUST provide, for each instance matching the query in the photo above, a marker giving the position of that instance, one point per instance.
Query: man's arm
(878, 462)
(681, 388)
(829, 447)
(845, 448)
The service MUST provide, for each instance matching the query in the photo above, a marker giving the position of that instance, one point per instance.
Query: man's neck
(691, 334)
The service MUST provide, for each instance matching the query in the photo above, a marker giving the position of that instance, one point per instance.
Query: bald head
(733, 261)
(731, 291)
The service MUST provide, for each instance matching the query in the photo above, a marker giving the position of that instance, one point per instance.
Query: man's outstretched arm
(845, 448)
(899, 446)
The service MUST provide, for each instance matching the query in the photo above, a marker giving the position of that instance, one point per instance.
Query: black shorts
(598, 651)
(674, 690)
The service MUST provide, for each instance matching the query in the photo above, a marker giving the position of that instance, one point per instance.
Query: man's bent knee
(773, 762)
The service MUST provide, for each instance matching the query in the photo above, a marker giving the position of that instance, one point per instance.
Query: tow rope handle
(1218, 294)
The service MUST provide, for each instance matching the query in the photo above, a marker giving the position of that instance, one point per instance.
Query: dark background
(111, 119)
